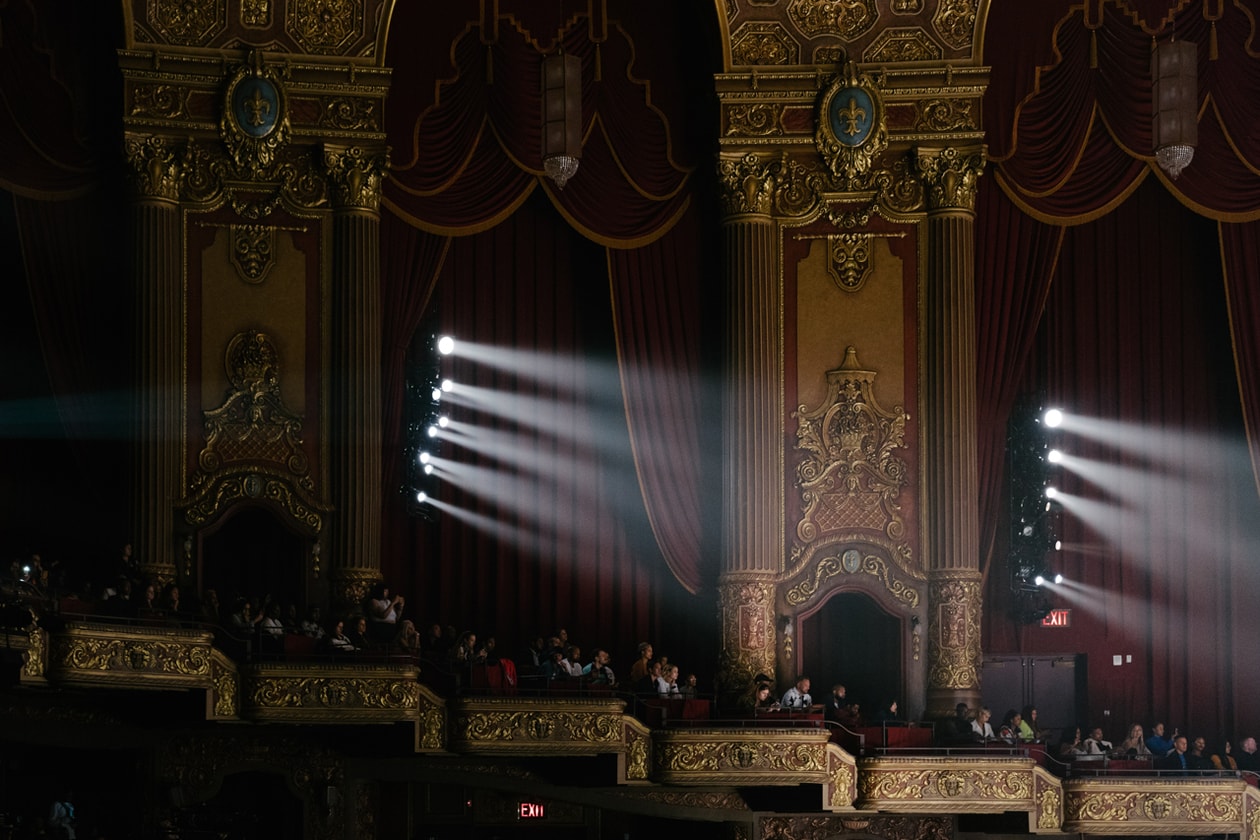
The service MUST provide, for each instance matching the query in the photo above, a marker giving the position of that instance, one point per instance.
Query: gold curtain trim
(1013, 194)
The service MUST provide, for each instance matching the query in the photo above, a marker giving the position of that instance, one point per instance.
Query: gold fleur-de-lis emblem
(852, 116)
(259, 108)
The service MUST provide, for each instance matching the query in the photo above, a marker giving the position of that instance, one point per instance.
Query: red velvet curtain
(1136, 335)
(465, 131)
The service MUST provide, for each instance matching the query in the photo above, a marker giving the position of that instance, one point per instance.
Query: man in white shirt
(797, 697)
(1095, 745)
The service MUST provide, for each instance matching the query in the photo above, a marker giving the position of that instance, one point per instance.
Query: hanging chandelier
(1174, 99)
(562, 116)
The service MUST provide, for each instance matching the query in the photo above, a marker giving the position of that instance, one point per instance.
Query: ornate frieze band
(314, 693)
(538, 726)
(946, 785)
(96, 654)
(1159, 806)
(760, 756)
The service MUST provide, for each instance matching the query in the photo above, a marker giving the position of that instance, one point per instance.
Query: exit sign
(533, 811)
(1057, 618)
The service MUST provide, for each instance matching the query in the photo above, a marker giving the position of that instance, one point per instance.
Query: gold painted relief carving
(225, 701)
(850, 260)
(941, 115)
(256, 14)
(852, 132)
(324, 27)
(1154, 806)
(846, 19)
(490, 726)
(850, 476)
(638, 750)
(351, 585)
(155, 170)
(187, 24)
(954, 624)
(852, 561)
(431, 732)
(254, 124)
(756, 120)
(763, 44)
(907, 7)
(89, 653)
(951, 176)
(748, 643)
(712, 756)
(709, 800)
(349, 113)
(355, 175)
(882, 784)
(955, 21)
(35, 667)
(252, 249)
(160, 101)
(900, 44)
(273, 695)
(885, 828)
(843, 782)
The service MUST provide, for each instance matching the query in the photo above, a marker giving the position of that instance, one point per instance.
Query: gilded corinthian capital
(748, 185)
(950, 176)
(355, 175)
(156, 169)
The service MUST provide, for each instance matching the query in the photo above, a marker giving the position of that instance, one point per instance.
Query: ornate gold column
(355, 175)
(753, 506)
(949, 428)
(156, 173)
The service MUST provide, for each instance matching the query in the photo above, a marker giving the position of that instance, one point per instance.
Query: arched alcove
(251, 551)
(850, 639)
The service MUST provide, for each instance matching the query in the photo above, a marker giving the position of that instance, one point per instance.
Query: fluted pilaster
(753, 463)
(158, 257)
(355, 452)
(950, 478)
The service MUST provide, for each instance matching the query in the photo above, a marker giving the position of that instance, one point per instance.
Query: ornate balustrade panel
(841, 789)
(140, 657)
(538, 726)
(741, 757)
(1165, 806)
(327, 693)
(951, 784)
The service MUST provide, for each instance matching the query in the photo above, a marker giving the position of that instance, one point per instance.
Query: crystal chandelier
(562, 116)
(1175, 99)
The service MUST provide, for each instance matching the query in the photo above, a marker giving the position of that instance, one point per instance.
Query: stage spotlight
(1058, 578)
(433, 431)
(1058, 546)
(1028, 530)
(422, 497)
(1054, 456)
(1051, 493)
(428, 469)
(425, 457)
(447, 384)
(1053, 418)
(444, 421)
(1039, 580)
(437, 395)
(446, 345)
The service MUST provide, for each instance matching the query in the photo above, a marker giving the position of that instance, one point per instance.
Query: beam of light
(519, 496)
(575, 373)
(501, 531)
(528, 452)
(1178, 447)
(1115, 479)
(1099, 518)
(548, 415)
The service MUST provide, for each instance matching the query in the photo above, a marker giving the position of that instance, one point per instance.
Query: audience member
(1197, 755)
(836, 702)
(1157, 743)
(1070, 745)
(647, 686)
(597, 671)
(1248, 759)
(407, 641)
(209, 609)
(358, 634)
(850, 716)
(959, 730)
(1009, 732)
(1028, 729)
(572, 660)
(689, 687)
(888, 713)
(487, 651)
(435, 644)
(243, 622)
(762, 701)
(1223, 758)
(383, 612)
(1095, 744)
(667, 682)
(272, 625)
(1134, 744)
(313, 624)
(61, 817)
(1178, 760)
(337, 640)
(640, 667)
(981, 726)
(797, 697)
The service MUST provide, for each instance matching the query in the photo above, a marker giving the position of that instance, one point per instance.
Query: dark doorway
(254, 555)
(851, 640)
(251, 805)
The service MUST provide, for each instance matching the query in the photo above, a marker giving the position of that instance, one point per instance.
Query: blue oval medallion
(256, 105)
(852, 115)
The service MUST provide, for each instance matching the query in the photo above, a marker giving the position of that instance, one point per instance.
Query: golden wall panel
(319, 693)
(537, 726)
(926, 784)
(740, 756)
(1163, 806)
(139, 657)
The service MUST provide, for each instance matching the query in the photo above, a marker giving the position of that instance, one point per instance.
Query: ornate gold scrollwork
(277, 693)
(886, 828)
(852, 561)
(223, 678)
(252, 251)
(901, 44)
(760, 119)
(748, 632)
(155, 167)
(36, 664)
(955, 22)
(954, 632)
(160, 101)
(356, 175)
(349, 113)
(1154, 806)
(187, 24)
(324, 27)
(850, 476)
(504, 726)
(758, 43)
(714, 756)
(254, 124)
(951, 176)
(887, 783)
(91, 653)
(638, 750)
(852, 132)
(848, 20)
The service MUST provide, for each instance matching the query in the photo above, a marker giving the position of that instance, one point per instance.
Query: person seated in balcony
(209, 612)
(1157, 743)
(572, 660)
(957, 730)
(555, 668)
(147, 602)
(272, 624)
(981, 728)
(646, 687)
(1222, 757)
(313, 624)
(798, 697)
(639, 669)
(1134, 744)
(667, 682)
(836, 703)
(169, 602)
(336, 638)
(435, 644)
(689, 687)
(850, 716)
(1199, 758)
(358, 634)
(1179, 761)
(465, 651)
(1095, 744)
(889, 714)
(1071, 745)
(383, 612)
(1009, 732)
(597, 671)
(488, 651)
(1248, 758)
(1028, 729)
(758, 700)
(407, 642)
(243, 622)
